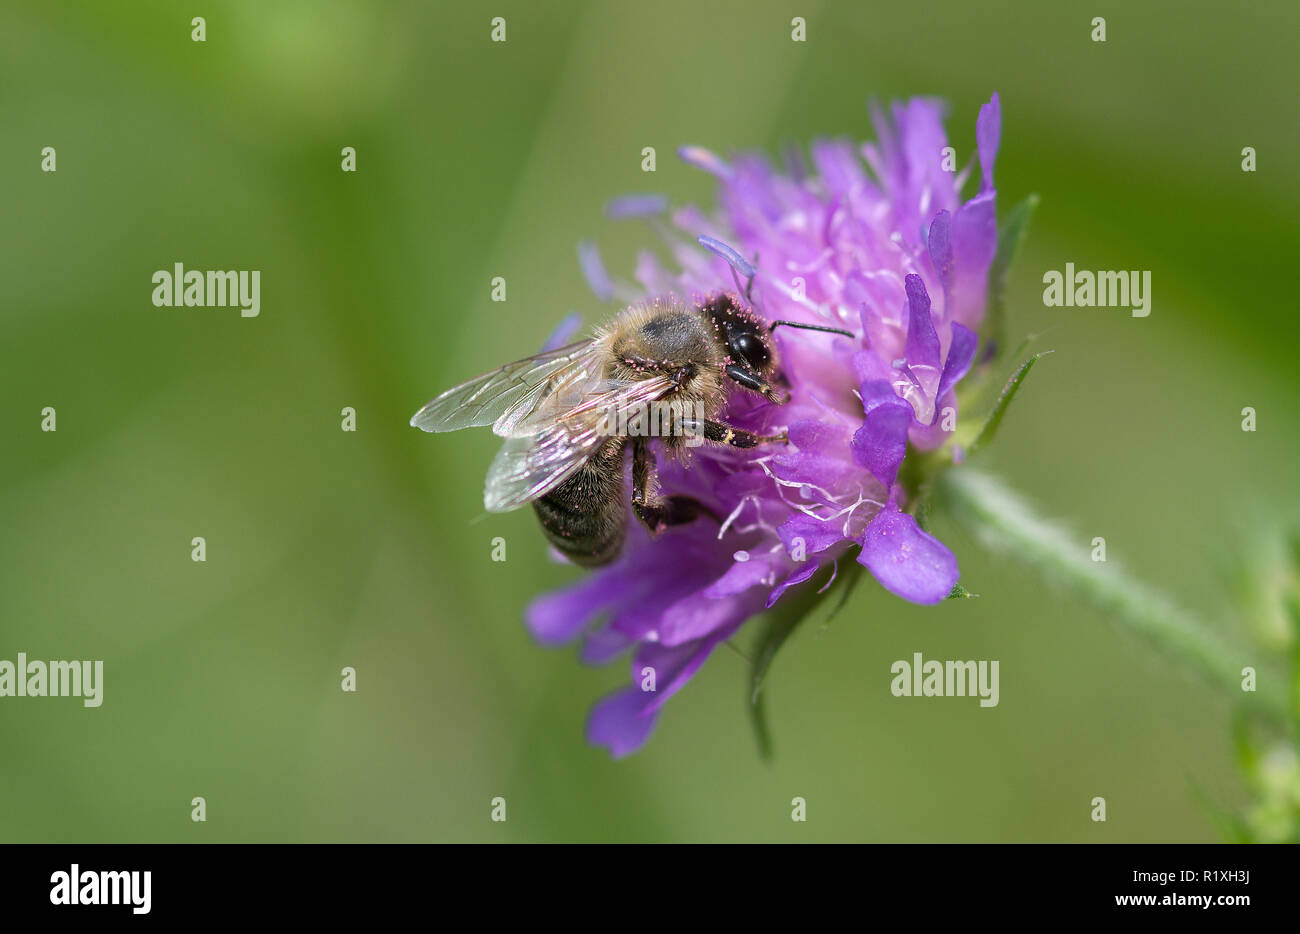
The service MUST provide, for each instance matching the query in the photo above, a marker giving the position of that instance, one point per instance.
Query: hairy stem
(1003, 520)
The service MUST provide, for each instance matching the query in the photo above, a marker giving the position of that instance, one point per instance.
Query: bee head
(742, 334)
(749, 346)
(750, 357)
(751, 353)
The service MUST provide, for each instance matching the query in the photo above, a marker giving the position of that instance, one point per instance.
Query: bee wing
(581, 379)
(506, 395)
(530, 465)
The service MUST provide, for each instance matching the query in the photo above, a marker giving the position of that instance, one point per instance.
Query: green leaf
(959, 591)
(1004, 399)
(1009, 235)
(780, 622)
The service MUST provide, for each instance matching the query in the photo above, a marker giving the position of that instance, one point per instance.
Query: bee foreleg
(751, 380)
(658, 512)
(725, 434)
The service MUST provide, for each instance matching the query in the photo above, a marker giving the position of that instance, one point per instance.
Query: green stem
(1003, 520)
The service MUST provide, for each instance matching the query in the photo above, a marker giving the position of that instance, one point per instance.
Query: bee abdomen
(585, 517)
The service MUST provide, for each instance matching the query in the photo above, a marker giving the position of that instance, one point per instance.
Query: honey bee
(565, 414)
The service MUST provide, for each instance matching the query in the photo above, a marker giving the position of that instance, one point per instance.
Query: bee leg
(750, 380)
(725, 434)
(657, 513)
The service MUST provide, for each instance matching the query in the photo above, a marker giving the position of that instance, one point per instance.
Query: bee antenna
(810, 327)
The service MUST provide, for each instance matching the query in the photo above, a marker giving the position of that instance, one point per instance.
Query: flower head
(872, 238)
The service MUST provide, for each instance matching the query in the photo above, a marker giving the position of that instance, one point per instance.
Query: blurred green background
(370, 549)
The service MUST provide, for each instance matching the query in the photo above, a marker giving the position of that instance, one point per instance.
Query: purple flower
(873, 238)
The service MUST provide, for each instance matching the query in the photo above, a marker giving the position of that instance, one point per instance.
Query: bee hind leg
(658, 512)
(721, 433)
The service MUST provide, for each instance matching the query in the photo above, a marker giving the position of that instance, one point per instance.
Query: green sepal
(1009, 235)
(959, 591)
(1008, 393)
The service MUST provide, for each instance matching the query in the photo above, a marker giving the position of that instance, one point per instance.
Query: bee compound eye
(751, 349)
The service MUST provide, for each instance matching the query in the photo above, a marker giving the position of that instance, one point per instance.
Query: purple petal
(734, 259)
(974, 241)
(941, 247)
(675, 665)
(563, 331)
(907, 561)
(808, 435)
(677, 579)
(796, 166)
(621, 722)
(922, 342)
(708, 610)
(603, 646)
(928, 437)
(837, 163)
(975, 233)
(817, 535)
(695, 617)
(960, 354)
(705, 159)
(635, 591)
(988, 133)
(636, 206)
(651, 273)
(559, 617)
(740, 577)
(798, 576)
(881, 442)
(869, 367)
(736, 486)
(594, 271)
(749, 194)
(884, 155)
(920, 123)
(877, 296)
(813, 469)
